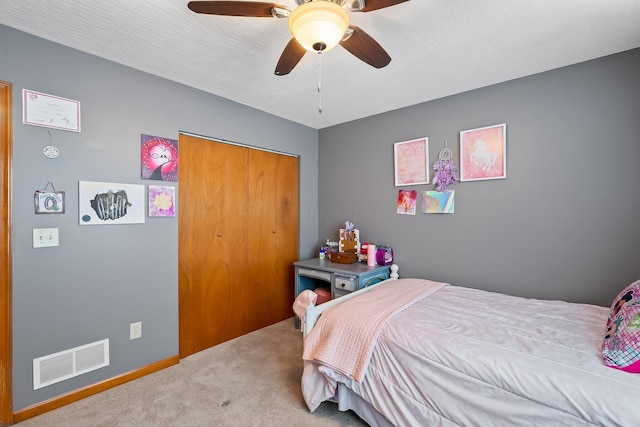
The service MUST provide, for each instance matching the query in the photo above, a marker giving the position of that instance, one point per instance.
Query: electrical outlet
(135, 330)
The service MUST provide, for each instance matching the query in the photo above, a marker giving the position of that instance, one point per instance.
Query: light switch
(45, 237)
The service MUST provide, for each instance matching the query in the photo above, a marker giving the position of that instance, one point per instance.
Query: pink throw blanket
(345, 335)
(302, 301)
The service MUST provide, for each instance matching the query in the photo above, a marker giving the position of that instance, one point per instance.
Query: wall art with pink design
(159, 158)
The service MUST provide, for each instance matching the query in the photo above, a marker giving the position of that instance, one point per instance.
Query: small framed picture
(411, 162)
(483, 153)
(49, 202)
(162, 201)
(438, 202)
(159, 158)
(406, 204)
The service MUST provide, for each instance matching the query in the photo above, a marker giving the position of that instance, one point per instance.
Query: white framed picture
(411, 162)
(483, 153)
(107, 203)
(42, 109)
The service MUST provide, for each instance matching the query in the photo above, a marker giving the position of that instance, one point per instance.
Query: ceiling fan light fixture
(319, 25)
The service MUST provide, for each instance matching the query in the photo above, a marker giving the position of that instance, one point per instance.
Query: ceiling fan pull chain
(320, 82)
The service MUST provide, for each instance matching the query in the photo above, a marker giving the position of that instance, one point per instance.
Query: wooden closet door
(273, 234)
(212, 228)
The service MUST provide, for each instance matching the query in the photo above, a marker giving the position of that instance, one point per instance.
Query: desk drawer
(322, 275)
(345, 283)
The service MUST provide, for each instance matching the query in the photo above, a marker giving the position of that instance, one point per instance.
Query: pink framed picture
(483, 153)
(159, 158)
(411, 162)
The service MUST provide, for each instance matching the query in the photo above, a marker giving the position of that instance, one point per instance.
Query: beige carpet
(253, 380)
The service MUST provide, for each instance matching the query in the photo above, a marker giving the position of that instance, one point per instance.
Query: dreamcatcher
(446, 172)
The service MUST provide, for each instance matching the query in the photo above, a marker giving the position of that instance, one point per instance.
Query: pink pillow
(621, 344)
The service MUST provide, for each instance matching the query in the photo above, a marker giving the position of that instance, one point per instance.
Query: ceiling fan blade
(255, 9)
(370, 5)
(364, 47)
(290, 57)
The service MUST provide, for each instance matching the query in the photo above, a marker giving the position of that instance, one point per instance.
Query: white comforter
(474, 358)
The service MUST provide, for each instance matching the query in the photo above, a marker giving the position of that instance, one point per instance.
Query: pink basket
(324, 295)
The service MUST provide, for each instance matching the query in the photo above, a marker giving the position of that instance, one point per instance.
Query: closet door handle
(273, 231)
(218, 235)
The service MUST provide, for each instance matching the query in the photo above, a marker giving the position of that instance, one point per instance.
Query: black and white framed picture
(110, 203)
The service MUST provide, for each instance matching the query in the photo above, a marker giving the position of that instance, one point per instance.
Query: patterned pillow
(621, 345)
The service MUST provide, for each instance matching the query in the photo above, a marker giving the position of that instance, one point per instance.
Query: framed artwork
(49, 202)
(411, 162)
(483, 153)
(159, 158)
(41, 109)
(110, 203)
(406, 204)
(162, 201)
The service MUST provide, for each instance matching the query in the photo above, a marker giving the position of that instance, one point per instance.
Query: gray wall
(564, 224)
(101, 278)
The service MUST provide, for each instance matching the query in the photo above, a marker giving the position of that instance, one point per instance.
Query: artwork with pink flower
(162, 201)
(159, 157)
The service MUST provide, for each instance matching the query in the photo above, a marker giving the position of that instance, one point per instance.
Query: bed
(454, 356)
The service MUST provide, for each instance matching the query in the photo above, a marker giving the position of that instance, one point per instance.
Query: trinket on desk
(343, 257)
(349, 238)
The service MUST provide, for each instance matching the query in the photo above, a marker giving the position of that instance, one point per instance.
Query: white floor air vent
(70, 363)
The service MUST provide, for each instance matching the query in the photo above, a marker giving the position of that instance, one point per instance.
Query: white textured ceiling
(438, 48)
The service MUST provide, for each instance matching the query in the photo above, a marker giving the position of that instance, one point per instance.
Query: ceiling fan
(316, 25)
